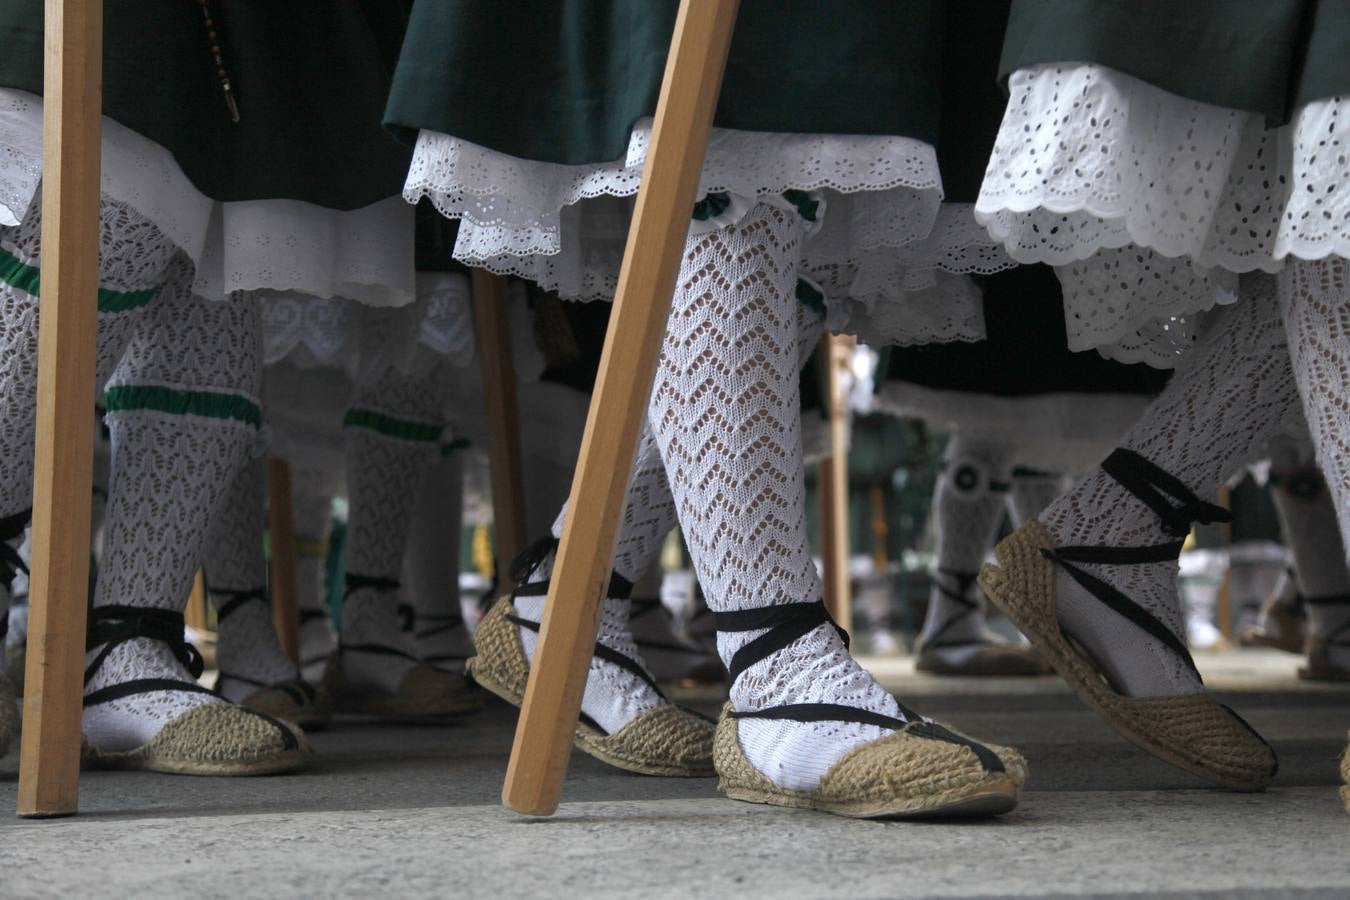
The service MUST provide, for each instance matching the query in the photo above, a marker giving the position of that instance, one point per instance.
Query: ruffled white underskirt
(1150, 203)
(882, 233)
(260, 245)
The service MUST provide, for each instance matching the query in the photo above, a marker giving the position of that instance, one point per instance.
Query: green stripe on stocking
(403, 429)
(18, 274)
(209, 404)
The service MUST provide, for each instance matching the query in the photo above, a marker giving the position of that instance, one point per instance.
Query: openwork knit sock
(431, 564)
(968, 505)
(1031, 492)
(392, 433)
(183, 413)
(726, 413)
(1228, 398)
(236, 578)
(312, 492)
(615, 696)
(1315, 299)
(133, 259)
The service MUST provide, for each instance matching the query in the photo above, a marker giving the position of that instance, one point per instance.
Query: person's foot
(254, 671)
(375, 670)
(625, 719)
(1094, 588)
(443, 640)
(668, 656)
(1328, 642)
(143, 708)
(956, 641)
(806, 726)
(318, 640)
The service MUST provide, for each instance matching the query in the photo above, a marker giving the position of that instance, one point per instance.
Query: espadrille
(921, 770)
(295, 701)
(213, 739)
(9, 714)
(425, 692)
(1281, 624)
(666, 740)
(1191, 731)
(218, 739)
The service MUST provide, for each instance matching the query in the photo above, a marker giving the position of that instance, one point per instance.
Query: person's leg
(253, 669)
(1100, 565)
(1315, 298)
(968, 504)
(431, 564)
(183, 412)
(807, 725)
(392, 433)
(1031, 491)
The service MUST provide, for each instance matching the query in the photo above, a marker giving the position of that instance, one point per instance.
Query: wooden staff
(651, 260)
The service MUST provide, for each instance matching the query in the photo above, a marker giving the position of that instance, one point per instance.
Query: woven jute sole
(900, 776)
(666, 741)
(425, 694)
(218, 739)
(991, 661)
(290, 702)
(9, 715)
(1189, 731)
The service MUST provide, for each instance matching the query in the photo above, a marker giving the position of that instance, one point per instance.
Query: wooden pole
(492, 326)
(281, 539)
(834, 502)
(651, 261)
(194, 616)
(49, 762)
(825, 516)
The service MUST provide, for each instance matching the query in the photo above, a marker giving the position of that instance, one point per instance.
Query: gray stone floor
(408, 812)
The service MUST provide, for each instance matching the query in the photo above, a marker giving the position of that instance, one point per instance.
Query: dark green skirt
(564, 82)
(1263, 56)
(310, 78)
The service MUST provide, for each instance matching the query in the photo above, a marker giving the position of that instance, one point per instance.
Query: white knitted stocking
(726, 413)
(392, 435)
(183, 412)
(431, 565)
(249, 652)
(968, 507)
(1229, 396)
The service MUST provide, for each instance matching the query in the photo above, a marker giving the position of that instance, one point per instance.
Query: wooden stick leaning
(281, 541)
(841, 589)
(49, 763)
(548, 717)
(492, 327)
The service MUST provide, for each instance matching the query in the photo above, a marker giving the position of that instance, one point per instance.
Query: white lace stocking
(249, 651)
(431, 566)
(1230, 395)
(133, 256)
(1315, 297)
(1030, 494)
(388, 453)
(726, 412)
(968, 507)
(170, 471)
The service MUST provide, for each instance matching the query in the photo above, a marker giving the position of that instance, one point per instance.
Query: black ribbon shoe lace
(620, 588)
(966, 607)
(112, 626)
(406, 615)
(787, 622)
(1177, 507)
(297, 689)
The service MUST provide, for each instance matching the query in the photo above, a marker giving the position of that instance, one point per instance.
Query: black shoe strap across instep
(782, 624)
(1177, 506)
(608, 654)
(237, 599)
(112, 626)
(966, 606)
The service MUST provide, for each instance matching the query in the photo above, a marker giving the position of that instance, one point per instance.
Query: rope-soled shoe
(665, 740)
(922, 768)
(1191, 731)
(213, 739)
